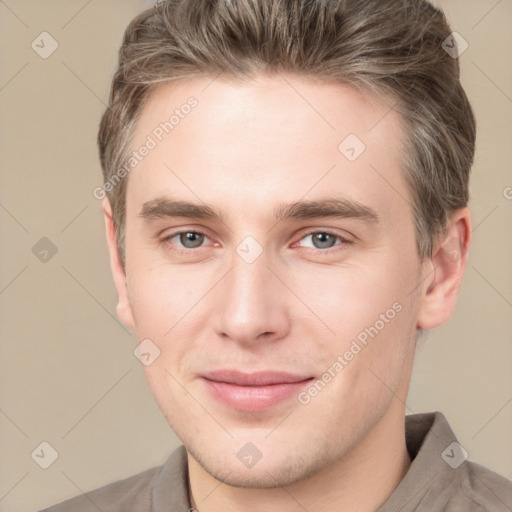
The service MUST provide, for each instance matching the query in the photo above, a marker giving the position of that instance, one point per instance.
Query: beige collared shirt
(439, 479)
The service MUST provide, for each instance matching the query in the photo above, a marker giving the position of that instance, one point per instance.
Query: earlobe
(123, 308)
(443, 276)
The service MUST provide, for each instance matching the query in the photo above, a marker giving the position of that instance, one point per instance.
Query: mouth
(253, 392)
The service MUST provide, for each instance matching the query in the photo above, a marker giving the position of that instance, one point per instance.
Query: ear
(445, 270)
(123, 308)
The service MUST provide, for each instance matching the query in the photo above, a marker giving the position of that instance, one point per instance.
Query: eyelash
(187, 251)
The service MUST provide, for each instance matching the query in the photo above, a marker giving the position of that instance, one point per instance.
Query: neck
(360, 482)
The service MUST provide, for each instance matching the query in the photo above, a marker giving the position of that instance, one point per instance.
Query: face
(271, 261)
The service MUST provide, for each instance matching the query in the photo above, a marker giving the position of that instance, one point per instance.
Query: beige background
(68, 374)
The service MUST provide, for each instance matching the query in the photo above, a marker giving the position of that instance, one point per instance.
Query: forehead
(310, 108)
(270, 140)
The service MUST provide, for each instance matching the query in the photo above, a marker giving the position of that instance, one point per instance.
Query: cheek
(169, 306)
(370, 314)
(169, 394)
(349, 299)
(161, 297)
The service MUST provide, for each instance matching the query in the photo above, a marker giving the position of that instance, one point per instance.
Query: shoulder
(132, 493)
(162, 487)
(441, 477)
(484, 490)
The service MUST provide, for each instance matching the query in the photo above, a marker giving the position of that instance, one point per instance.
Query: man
(286, 211)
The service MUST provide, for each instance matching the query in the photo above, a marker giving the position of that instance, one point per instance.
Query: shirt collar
(430, 441)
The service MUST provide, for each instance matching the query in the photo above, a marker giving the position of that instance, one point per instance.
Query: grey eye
(191, 239)
(321, 240)
(324, 240)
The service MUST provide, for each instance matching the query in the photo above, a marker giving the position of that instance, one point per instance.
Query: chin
(271, 471)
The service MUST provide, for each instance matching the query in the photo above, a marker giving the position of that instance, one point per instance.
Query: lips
(253, 392)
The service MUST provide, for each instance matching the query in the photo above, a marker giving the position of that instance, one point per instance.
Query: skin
(245, 149)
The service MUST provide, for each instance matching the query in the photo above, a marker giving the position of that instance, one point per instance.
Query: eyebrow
(164, 207)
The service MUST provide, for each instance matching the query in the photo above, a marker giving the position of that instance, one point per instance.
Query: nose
(252, 304)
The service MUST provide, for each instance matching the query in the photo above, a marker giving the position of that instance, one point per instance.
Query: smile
(253, 392)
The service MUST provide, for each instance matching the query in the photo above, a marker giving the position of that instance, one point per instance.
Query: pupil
(191, 239)
(324, 239)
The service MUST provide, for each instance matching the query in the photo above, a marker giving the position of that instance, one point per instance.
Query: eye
(186, 239)
(323, 240)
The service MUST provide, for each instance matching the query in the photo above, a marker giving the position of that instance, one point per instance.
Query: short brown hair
(391, 47)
